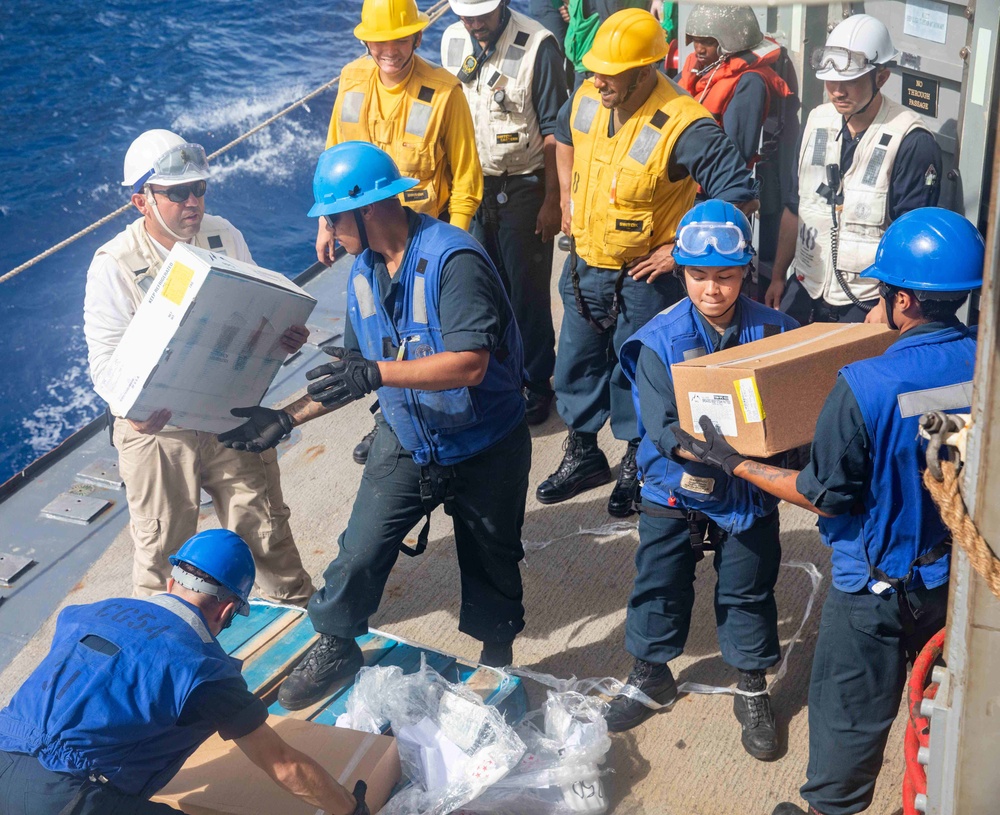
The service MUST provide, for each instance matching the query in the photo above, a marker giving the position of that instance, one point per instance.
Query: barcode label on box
(749, 396)
(718, 407)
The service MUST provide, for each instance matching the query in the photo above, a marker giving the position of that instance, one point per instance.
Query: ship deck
(685, 761)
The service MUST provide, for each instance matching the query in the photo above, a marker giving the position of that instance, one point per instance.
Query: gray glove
(715, 451)
(341, 382)
(265, 428)
(359, 795)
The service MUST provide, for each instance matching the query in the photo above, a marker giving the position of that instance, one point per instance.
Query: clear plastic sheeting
(452, 746)
(560, 773)
(610, 686)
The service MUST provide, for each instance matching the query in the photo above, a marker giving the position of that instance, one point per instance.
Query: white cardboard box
(205, 339)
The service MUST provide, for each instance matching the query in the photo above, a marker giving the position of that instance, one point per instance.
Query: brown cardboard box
(219, 780)
(765, 397)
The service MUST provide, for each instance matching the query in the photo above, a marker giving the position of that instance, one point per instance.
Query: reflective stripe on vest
(412, 135)
(675, 335)
(899, 522)
(623, 202)
(507, 136)
(865, 212)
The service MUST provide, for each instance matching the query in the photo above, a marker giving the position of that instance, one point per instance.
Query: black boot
(620, 502)
(655, 681)
(754, 713)
(791, 809)
(538, 401)
(327, 662)
(365, 446)
(583, 467)
(497, 654)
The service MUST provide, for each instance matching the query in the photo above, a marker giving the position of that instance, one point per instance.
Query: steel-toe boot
(620, 502)
(655, 681)
(754, 713)
(328, 661)
(583, 467)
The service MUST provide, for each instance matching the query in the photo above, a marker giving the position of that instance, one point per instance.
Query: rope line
(435, 12)
(955, 515)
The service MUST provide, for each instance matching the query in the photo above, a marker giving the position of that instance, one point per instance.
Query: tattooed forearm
(768, 472)
(304, 409)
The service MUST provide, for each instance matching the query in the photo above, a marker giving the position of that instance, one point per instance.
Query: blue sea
(81, 80)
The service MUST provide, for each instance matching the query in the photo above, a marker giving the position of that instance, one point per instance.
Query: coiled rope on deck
(435, 12)
(948, 499)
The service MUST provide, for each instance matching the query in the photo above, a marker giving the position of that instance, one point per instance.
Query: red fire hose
(918, 727)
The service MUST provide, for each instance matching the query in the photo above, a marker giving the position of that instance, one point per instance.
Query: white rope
(435, 12)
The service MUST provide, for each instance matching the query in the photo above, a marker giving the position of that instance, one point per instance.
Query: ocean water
(80, 81)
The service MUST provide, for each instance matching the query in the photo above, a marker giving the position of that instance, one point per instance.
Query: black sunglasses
(182, 192)
(331, 220)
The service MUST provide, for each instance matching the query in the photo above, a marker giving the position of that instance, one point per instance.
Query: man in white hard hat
(864, 161)
(165, 468)
(514, 79)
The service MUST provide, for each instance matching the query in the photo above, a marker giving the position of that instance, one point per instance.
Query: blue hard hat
(224, 556)
(353, 174)
(714, 233)
(930, 249)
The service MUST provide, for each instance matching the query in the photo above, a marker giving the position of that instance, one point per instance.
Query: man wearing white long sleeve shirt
(165, 468)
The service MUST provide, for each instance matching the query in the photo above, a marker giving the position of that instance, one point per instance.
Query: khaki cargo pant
(164, 474)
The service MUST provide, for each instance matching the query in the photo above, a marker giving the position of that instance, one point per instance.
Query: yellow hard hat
(629, 38)
(384, 20)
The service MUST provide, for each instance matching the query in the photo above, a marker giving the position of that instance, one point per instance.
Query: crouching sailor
(130, 688)
(890, 549)
(684, 503)
(432, 331)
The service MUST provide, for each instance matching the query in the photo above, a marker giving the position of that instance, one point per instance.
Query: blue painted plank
(263, 669)
(243, 628)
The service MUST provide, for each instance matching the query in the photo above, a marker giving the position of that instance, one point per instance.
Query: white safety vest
(507, 134)
(140, 262)
(864, 214)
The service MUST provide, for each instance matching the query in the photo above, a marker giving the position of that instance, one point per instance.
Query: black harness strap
(706, 535)
(430, 476)
(898, 584)
(607, 322)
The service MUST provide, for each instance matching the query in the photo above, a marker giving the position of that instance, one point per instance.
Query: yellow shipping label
(749, 398)
(178, 280)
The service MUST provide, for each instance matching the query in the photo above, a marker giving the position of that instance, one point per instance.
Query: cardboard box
(766, 396)
(219, 780)
(204, 340)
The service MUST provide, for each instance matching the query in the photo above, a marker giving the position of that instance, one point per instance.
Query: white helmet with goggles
(857, 46)
(164, 158)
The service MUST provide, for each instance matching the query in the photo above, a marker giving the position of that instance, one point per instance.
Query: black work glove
(340, 382)
(715, 451)
(265, 428)
(359, 795)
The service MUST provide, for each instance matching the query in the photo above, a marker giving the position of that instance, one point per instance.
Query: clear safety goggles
(842, 60)
(699, 239)
(185, 162)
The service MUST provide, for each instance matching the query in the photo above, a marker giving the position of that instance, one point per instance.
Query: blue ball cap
(354, 174)
(930, 249)
(224, 556)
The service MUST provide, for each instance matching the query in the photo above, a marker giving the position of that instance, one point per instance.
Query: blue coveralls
(749, 553)
(866, 470)
(468, 448)
(95, 727)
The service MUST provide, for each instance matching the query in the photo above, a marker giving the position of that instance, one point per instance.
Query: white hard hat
(854, 48)
(164, 158)
(473, 8)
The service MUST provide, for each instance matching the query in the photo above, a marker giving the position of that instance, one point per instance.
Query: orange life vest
(715, 88)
